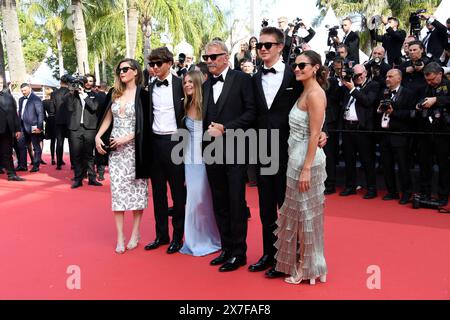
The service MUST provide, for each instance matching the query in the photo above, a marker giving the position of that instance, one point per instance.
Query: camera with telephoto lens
(417, 63)
(415, 23)
(332, 31)
(386, 102)
(265, 23)
(427, 203)
(347, 68)
(329, 57)
(76, 82)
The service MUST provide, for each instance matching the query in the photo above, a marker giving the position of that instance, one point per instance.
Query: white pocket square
(182, 99)
(289, 89)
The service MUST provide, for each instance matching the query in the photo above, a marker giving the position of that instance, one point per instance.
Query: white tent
(441, 14)
(43, 76)
(320, 40)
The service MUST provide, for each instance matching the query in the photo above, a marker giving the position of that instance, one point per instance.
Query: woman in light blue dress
(200, 229)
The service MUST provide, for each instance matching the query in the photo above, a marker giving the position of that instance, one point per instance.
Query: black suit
(82, 136)
(392, 42)
(395, 147)
(352, 42)
(58, 99)
(165, 171)
(9, 125)
(235, 109)
(414, 81)
(359, 143)
(437, 40)
(288, 43)
(272, 188)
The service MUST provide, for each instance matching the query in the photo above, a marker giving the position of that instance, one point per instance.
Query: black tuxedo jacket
(352, 42)
(9, 120)
(58, 98)
(367, 99)
(34, 112)
(392, 42)
(75, 109)
(178, 101)
(277, 117)
(335, 94)
(438, 40)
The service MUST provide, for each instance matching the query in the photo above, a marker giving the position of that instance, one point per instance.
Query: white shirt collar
(169, 79)
(279, 66)
(223, 74)
(396, 89)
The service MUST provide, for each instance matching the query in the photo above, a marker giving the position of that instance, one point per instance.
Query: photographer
(377, 68)
(436, 39)
(412, 70)
(82, 125)
(433, 115)
(360, 100)
(392, 40)
(292, 40)
(395, 111)
(351, 40)
(180, 67)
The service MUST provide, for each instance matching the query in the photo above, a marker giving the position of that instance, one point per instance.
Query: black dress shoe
(43, 162)
(391, 196)
(53, 162)
(406, 197)
(370, 195)
(330, 190)
(347, 192)
(15, 178)
(101, 177)
(2, 171)
(34, 169)
(156, 244)
(19, 169)
(171, 211)
(264, 263)
(58, 168)
(233, 264)
(94, 183)
(224, 256)
(272, 273)
(63, 163)
(174, 247)
(77, 184)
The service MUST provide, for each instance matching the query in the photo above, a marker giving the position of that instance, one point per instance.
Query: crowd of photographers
(398, 103)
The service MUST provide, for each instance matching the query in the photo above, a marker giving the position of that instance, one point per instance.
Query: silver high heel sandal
(120, 249)
(322, 279)
(133, 244)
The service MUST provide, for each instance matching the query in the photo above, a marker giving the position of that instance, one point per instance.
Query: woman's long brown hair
(196, 100)
(119, 86)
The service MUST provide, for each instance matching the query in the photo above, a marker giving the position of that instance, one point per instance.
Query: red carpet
(47, 227)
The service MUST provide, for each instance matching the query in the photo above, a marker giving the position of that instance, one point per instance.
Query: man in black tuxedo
(351, 40)
(436, 39)
(396, 117)
(228, 104)
(392, 40)
(58, 98)
(166, 117)
(82, 125)
(31, 112)
(358, 107)
(377, 68)
(9, 129)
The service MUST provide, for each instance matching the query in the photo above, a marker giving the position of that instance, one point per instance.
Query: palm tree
(2, 62)
(133, 22)
(16, 61)
(79, 33)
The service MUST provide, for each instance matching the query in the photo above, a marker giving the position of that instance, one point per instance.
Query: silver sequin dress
(127, 192)
(300, 244)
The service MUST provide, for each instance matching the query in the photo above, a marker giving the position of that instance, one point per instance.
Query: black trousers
(227, 183)
(271, 191)
(23, 143)
(361, 144)
(165, 171)
(438, 146)
(6, 147)
(331, 150)
(61, 133)
(82, 143)
(395, 149)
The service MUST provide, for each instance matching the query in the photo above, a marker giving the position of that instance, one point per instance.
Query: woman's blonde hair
(196, 100)
(119, 86)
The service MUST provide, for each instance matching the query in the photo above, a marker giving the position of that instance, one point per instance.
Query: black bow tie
(214, 80)
(25, 98)
(394, 92)
(267, 71)
(160, 83)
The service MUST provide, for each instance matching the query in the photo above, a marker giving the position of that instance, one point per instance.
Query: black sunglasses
(267, 45)
(124, 70)
(213, 57)
(156, 63)
(301, 65)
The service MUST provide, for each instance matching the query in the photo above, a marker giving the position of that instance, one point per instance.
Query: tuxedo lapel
(260, 89)
(176, 91)
(226, 90)
(150, 93)
(287, 78)
(207, 91)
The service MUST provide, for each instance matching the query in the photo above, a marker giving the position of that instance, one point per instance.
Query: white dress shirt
(24, 105)
(350, 112)
(83, 106)
(271, 83)
(218, 87)
(164, 118)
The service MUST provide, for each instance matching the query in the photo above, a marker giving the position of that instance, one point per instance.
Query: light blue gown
(200, 227)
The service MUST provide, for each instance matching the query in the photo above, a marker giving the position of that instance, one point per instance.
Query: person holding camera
(377, 68)
(351, 40)
(358, 105)
(436, 38)
(395, 111)
(433, 116)
(82, 125)
(412, 70)
(392, 40)
(180, 67)
(292, 40)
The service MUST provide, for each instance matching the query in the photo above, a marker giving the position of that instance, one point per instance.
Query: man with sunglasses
(360, 101)
(228, 104)
(166, 114)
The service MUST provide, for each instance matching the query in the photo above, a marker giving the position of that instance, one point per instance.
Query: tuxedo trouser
(23, 143)
(331, 150)
(392, 153)
(6, 147)
(61, 134)
(82, 143)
